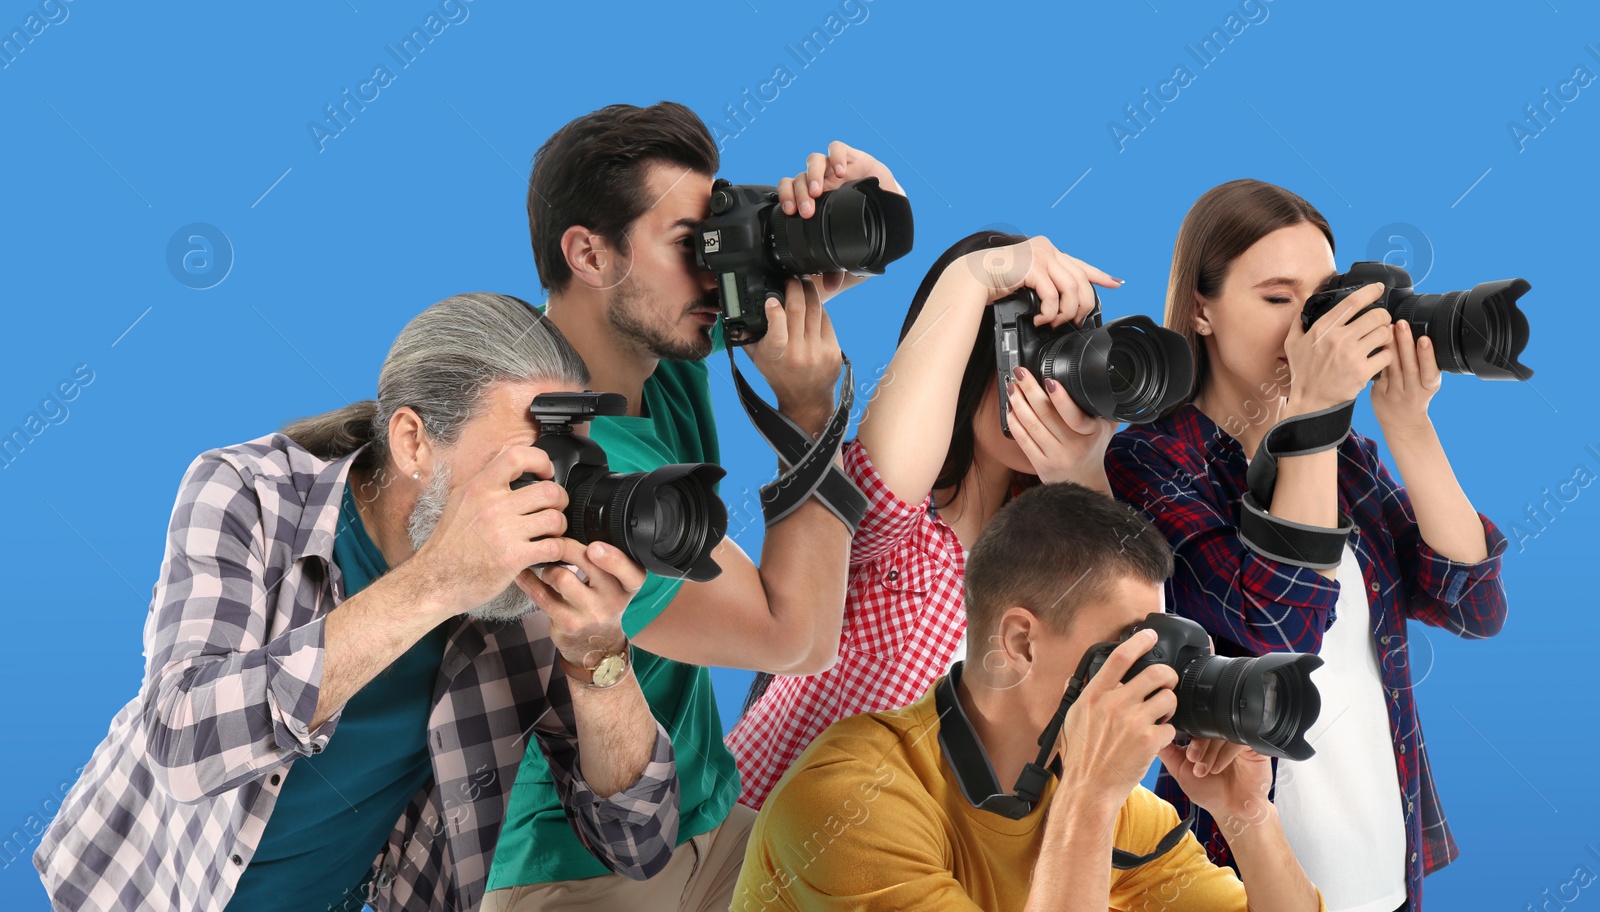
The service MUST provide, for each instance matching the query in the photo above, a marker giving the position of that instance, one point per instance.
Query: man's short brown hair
(1055, 548)
(592, 173)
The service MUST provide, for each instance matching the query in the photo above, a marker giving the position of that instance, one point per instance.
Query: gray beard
(509, 605)
(629, 312)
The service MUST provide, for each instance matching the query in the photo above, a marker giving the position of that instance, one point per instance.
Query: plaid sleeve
(889, 520)
(632, 832)
(1256, 602)
(221, 705)
(1468, 600)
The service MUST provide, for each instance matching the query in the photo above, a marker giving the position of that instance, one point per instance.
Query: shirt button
(1374, 587)
(1402, 748)
(237, 860)
(893, 574)
(1395, 693)
(275, 779)
(1384, 640)
(1408, 807)
(1413, 857)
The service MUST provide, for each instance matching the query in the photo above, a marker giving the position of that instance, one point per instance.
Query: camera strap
(811, 469)
(975, 775)
(1289, 542)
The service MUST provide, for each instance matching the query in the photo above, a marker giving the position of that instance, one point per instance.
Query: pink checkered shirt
(903, 618)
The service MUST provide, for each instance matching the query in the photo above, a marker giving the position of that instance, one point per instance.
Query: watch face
(609, 670)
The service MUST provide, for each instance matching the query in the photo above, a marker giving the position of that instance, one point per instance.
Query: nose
(708, 280)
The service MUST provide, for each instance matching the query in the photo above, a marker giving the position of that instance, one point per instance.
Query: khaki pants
(700, 877)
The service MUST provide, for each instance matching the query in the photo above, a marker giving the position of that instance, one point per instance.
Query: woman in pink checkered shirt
(935, 466)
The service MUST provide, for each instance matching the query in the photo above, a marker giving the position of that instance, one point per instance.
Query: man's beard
(509, 605)
(634, 316)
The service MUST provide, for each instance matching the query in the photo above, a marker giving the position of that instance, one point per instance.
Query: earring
(416, 474)
(1203, 331)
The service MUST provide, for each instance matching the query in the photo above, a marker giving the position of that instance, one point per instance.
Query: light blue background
(125, 122)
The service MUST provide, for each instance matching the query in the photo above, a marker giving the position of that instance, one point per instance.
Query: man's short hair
(592, 173)
(1054, 548)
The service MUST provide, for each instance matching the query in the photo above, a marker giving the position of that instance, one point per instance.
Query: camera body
(667, 520)
(753, 247)
(1129, 369)
(1267, 702)
(1480, 332)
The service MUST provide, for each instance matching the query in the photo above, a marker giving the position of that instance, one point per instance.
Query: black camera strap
(1289, 542)
(976, 777)
(811, 471)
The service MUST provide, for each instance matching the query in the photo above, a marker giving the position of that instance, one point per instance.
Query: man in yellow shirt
(903, 810)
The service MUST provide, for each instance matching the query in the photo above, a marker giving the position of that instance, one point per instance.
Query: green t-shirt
(537, 844)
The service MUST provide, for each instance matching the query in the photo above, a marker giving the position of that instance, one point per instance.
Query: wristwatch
(607, 671)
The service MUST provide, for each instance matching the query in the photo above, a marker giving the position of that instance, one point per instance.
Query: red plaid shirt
(1188, 476)
(903, 619)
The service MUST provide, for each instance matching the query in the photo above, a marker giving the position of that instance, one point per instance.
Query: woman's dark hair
(980, 368)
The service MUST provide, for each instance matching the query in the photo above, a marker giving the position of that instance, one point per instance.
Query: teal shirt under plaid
(173, 802)
(1188, 476)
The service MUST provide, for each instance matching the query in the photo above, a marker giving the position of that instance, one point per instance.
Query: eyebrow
(1280, 280)
(685, 223)
(1292, 282)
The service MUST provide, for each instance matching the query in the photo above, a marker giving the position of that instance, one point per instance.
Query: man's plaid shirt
(1188, 476)
(173, 802)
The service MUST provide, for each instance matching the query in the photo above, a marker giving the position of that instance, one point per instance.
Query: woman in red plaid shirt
(1362, 815)
(935, 466)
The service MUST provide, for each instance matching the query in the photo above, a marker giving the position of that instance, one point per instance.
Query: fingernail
(1199, 769)
(1051, 385)
(1119, 281)
(816, 187)
(600, 550)
(1019, 372)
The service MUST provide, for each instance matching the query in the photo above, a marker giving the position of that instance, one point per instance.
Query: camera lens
(668, 520)
(1480, 332)
(858, 228)
(1267, 702)
(1128, 370)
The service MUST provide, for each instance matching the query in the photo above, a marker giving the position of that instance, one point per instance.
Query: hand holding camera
(1047, 321)
(1236, 790)
(1118, 723)
(1401, 393)
(800, 355)
(1333, 360)
(491, 532)
(585, 611)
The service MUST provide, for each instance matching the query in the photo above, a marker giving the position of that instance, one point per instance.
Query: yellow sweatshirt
(870, 817)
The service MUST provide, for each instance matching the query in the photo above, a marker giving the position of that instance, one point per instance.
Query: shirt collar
(319, 521)
(1195, 429)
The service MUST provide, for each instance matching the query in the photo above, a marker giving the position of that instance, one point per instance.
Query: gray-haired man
(343, 664)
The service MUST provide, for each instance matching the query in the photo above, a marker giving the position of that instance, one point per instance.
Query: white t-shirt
(1341, 808)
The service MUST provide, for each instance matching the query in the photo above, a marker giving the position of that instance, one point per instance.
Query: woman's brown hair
(1222, 224)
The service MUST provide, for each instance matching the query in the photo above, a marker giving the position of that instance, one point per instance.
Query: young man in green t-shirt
(612, 202)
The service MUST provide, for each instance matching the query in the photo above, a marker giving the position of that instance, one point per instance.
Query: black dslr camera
(667, 520)
(1129, 369)
(1474, 332)
(1267, 702)
(753, 246)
